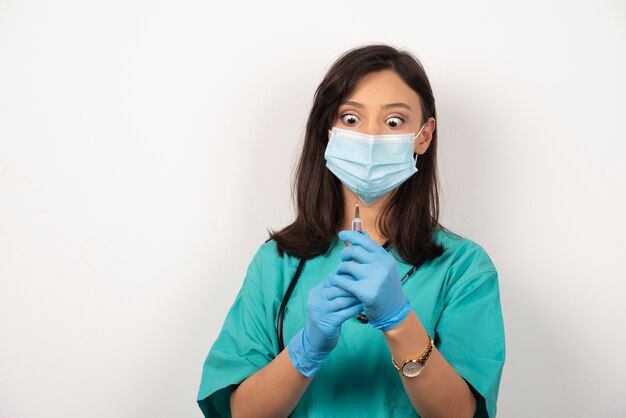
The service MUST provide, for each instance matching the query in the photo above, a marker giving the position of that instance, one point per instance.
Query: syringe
(357, 223)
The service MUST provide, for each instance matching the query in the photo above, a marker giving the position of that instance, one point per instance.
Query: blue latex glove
(371, 274)
(328, 307)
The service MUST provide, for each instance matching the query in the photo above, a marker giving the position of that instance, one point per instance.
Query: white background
(146, 146)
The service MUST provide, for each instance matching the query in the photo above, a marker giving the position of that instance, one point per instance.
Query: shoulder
(267, 251)
(462, 250)
(462, 258)
(266, 256)
(267, 261)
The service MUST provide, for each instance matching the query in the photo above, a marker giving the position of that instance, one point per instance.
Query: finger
(317, 289)
(332, 292)
(341, 303)
(356, 253)
(360, 239)
(350, 268)
(344, 282)
(351, 311)
(326, 283)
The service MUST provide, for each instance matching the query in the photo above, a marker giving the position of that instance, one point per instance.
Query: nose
(372, 127)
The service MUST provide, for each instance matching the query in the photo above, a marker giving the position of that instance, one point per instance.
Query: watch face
(412, 368)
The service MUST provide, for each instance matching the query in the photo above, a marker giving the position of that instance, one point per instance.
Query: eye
(394, 121)
(349, 119)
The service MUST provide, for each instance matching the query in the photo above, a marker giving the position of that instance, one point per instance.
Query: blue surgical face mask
(371, 165)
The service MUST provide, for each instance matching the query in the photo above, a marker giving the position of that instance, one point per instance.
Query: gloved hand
(328, 307)
(371, 274)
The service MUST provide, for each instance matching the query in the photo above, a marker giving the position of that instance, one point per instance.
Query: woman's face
(382, 103)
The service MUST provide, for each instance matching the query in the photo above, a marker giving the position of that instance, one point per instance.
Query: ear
(422, 142)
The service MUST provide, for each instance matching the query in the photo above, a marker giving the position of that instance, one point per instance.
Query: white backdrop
(146, 146)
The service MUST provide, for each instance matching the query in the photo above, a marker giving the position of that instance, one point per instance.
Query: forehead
(384, 87)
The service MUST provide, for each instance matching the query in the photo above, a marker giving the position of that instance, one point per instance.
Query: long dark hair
(411, 214)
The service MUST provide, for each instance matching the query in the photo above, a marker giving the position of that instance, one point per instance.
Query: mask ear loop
(414, 138)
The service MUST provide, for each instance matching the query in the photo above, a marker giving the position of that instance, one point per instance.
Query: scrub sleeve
(246, 344)
(470, 331)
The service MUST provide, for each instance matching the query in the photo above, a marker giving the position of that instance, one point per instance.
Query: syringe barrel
(357, 225)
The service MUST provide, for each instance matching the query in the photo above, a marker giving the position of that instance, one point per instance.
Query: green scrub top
(455, 296)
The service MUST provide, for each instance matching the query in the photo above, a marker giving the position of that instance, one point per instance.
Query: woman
(401, 320)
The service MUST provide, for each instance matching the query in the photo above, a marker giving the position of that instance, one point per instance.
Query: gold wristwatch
(413, 367)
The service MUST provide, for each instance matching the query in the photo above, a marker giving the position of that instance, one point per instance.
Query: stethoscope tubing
(283, 304)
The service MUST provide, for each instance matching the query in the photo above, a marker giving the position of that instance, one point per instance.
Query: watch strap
(421, 360)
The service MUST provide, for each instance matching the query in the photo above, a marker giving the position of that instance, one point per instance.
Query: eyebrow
(387, 106)
(406, 106)
(350, 103)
